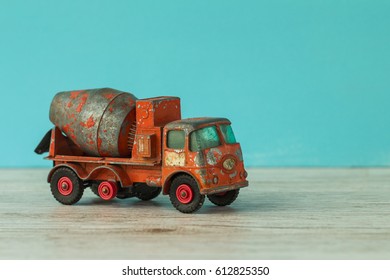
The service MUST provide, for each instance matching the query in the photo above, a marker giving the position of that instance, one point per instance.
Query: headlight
(229, 164)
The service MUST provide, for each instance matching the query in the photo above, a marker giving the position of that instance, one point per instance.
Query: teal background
(305, 83)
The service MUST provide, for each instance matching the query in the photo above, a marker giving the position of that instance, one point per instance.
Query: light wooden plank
(283, 214)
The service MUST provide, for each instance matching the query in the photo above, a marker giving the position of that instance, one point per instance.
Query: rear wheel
(66, 187)
(224, 198)
(184, 194)
(107, 190)
(144, 192)
(94, 187)
(124, 193)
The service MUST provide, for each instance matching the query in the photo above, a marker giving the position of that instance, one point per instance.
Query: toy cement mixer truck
(121, 146)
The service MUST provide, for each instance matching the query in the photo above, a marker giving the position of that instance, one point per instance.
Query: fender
(167, 181)
(80, 172)
(118, 172)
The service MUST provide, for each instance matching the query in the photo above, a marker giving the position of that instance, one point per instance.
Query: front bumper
(225, 188)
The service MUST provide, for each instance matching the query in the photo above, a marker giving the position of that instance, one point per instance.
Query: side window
(176, 139)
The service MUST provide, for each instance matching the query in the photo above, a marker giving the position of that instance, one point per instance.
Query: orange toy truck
(121, 146)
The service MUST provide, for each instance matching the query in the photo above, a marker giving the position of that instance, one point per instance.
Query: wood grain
(283, 214)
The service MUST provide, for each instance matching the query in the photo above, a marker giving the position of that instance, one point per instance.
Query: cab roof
(195, 123)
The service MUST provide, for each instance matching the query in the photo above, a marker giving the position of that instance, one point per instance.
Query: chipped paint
(75, 94)
(97, 120)
(174, 158)
(232, 175)
(153, 181)
(239, 154)
(83, 100)
(89, 123)
(213, 156)
(202, 175)
(199, 159)
(109, 96)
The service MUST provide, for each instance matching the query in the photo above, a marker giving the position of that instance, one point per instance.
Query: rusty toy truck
(121, 146)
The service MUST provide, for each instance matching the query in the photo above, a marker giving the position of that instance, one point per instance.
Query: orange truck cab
(206, 151)
(186, 159)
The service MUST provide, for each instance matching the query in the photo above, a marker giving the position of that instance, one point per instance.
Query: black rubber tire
(94, 188)
(144, 192)
(197, 198)
(124, 193)
(222, 200)
(77, 188)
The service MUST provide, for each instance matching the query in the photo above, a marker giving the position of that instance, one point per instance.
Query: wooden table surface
(283, 214)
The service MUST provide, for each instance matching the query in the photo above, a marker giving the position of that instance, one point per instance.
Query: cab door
(175, 145)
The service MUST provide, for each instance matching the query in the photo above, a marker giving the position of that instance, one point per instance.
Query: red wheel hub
(107, 190)
(184, 194)
(65, 186)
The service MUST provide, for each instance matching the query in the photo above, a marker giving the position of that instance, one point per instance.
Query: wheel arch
(76, 168)
(172, 176)
(118, 172)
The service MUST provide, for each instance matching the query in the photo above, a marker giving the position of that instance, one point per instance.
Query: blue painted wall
(305, 83)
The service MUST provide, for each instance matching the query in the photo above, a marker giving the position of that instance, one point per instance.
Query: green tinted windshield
(204, 138)
(228, 134)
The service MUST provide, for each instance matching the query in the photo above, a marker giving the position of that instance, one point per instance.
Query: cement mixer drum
(99, 121)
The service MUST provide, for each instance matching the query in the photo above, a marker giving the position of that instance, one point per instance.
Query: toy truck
(121, 146)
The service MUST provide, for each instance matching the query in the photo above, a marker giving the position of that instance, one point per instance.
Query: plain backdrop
(305, 83)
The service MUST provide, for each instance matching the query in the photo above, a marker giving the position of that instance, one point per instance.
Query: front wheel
(184, 194)
(224, 198)
(66, 186)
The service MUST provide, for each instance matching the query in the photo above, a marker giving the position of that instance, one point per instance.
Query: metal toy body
(121, 146)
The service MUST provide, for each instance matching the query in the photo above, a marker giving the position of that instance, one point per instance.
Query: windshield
(228, 134)
(204, 138)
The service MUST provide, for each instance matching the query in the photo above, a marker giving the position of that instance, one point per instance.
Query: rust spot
(69, 104)
(84, 98)
(89, 123)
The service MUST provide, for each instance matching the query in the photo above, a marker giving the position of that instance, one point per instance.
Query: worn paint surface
(214, 155)
(103, 127)
(97, 120)
(175, 158)
(153, 181)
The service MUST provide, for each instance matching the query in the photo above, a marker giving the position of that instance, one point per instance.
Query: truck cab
(201, 157)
